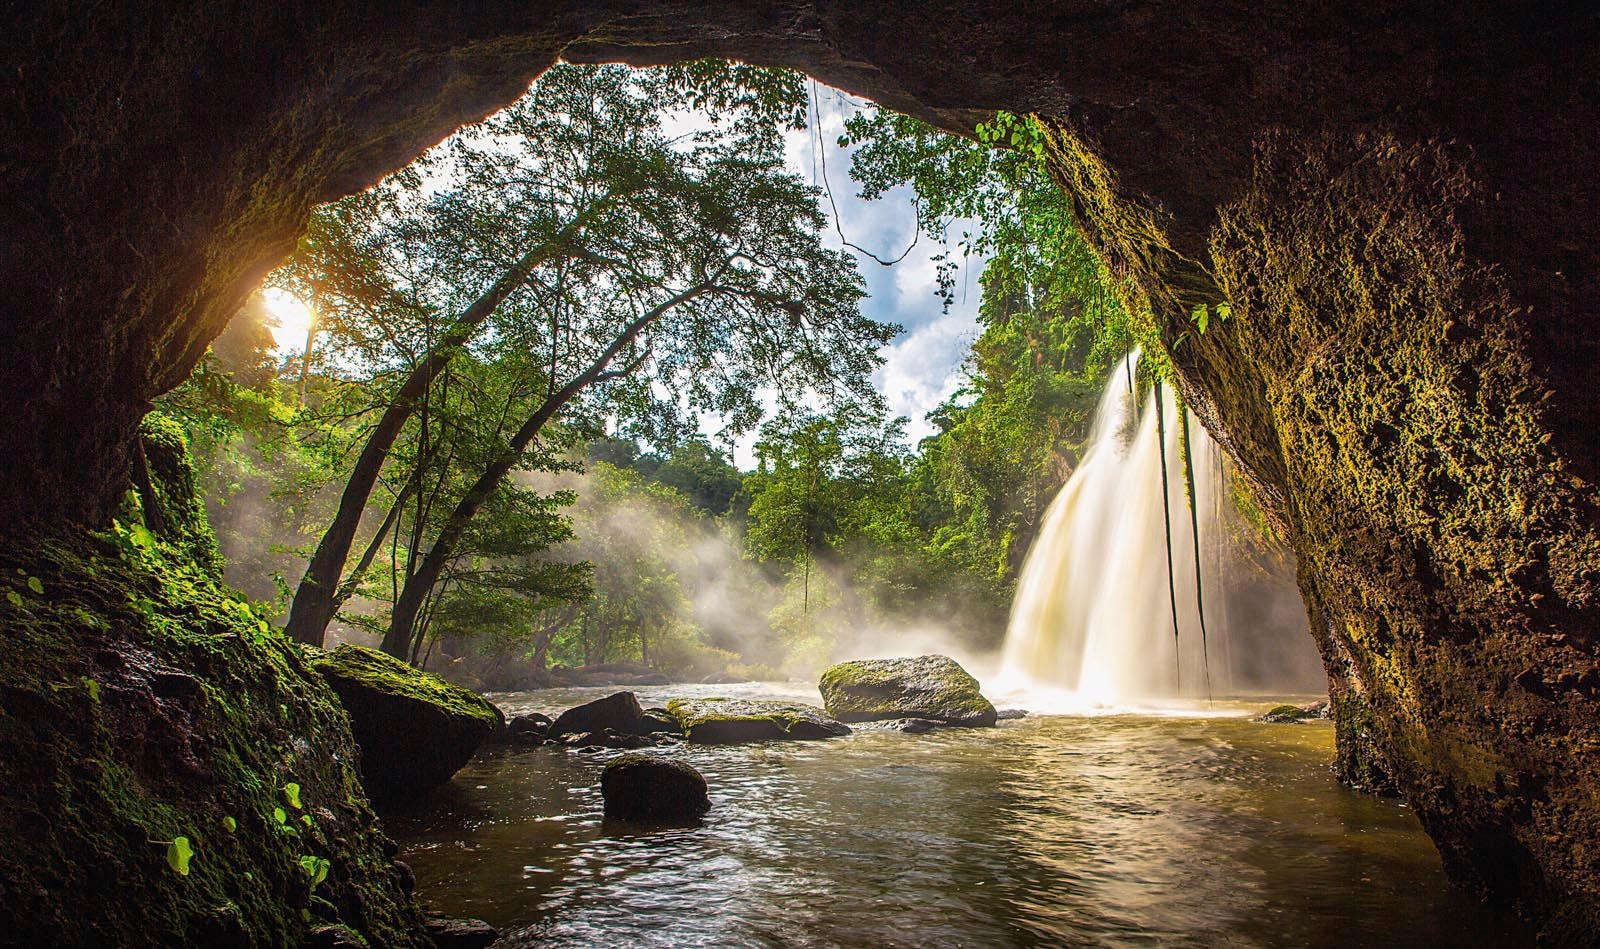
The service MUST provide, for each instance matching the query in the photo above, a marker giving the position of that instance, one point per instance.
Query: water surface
(1119, 830)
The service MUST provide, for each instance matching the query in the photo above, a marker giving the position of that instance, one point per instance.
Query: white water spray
(1092, 616)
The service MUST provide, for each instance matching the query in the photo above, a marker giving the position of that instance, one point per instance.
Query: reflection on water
(1117, 830)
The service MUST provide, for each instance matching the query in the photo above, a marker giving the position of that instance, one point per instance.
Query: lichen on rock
(930, 687)
(727, 721)
(415, 730)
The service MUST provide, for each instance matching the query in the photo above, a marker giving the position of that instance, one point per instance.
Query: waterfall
(1091, 615)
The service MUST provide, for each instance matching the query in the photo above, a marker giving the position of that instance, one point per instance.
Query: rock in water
(726, 721)
(932, 687)
(652, 788)
(415, 730)
(1011, 714)
(619, 712)
(450, 933)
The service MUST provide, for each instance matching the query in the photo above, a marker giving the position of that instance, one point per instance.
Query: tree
(718, 287)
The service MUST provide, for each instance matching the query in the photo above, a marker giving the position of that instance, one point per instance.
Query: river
(1193, 828)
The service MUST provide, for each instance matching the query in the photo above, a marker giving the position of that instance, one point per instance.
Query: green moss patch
(726, 721)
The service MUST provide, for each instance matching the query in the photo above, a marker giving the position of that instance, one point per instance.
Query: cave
(1399, 202)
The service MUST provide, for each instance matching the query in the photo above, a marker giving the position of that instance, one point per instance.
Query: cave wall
(1399, 201)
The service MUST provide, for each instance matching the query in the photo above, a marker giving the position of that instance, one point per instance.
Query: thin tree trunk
(314, 600)
(404, 617)
(348, 586)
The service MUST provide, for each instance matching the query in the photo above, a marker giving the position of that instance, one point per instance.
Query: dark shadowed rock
(932, 687)
(619, 712)
(529, 729)
(415, 729)
(450, 933)
(1009, 714)
(726, 721)
(651, 788)
(1293, 714)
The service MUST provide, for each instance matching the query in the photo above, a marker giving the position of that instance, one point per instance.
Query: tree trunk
(315, 599)
(415, 592)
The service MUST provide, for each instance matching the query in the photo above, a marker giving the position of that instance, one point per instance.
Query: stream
(1190, 828)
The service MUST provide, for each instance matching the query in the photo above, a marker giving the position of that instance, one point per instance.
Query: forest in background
(464, 299)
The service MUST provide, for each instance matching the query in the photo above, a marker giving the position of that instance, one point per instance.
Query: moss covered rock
(652, 788)
(162, 743)
(727, 721)
(415, 730)
(931, 687)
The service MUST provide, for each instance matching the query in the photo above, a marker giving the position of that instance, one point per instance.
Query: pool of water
(1197, 828)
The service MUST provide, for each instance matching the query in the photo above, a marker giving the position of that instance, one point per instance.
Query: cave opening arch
(1400, 204)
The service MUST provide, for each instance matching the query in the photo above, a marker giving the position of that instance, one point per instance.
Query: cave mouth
(1414, 408)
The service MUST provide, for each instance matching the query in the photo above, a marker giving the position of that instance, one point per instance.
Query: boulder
(529, 729)
(639, 787)
(726, 721)
(414, 729)
(619, 712)
(931, 687)
(1010, 714)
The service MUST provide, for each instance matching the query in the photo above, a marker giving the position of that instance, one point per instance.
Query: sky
(922, 365)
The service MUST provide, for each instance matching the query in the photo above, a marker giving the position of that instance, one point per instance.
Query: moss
(415, 730)
(384, 673)
(721, 721)
(932, 687)
(154, 703)
(181, 520)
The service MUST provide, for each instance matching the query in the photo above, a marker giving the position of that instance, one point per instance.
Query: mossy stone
(415, 730)
(729, 721)
(930, 687)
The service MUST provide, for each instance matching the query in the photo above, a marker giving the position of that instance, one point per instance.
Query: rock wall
(142, 704)
(1400, 202)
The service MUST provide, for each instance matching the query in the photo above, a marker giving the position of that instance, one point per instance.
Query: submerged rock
(652, 788)
(415, 730)
(931, 687)
(726, 721)
(619, 712)
(1010, 714)
(450, 933)
(911, 726)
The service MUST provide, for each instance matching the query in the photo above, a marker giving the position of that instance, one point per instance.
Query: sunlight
(291, 320)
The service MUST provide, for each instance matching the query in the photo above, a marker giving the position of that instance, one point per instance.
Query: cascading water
(1092, 615)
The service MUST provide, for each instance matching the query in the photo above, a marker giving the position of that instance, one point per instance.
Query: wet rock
(619, 712)
(1293, 714)
(415, 729)
(727, 721)
(529, 729)
(450, 933)
(1010, 714)
(638, 787)
(911, 726)
(660, 721)
(931, 687)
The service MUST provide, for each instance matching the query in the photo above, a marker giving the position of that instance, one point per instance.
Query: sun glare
(292, 318)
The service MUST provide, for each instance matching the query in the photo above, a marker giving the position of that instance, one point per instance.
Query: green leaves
(316, 868)
(179, 853)
(229, 824)
(36, 586)
(291, 793)
(280, 815)
(1201, 315)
